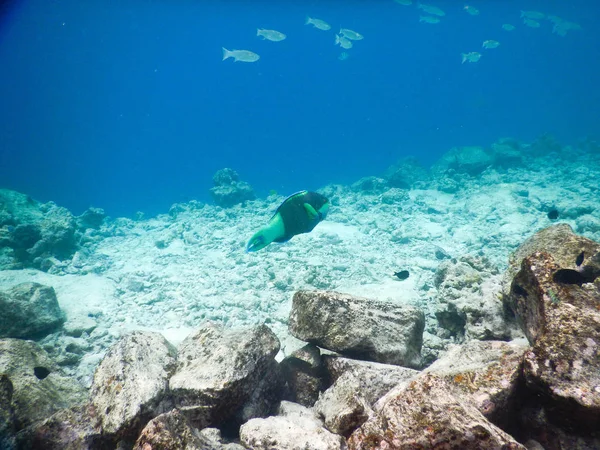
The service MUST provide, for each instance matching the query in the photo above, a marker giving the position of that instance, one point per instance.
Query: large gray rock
(39, 387)
(561, 243)
(468, 160)
(357, 385)
(294, 428)
(130, 384)
(228, 190)
(75, 428)
(172, 430)
(219, 370)
(358, 327)
(488, 374)
(40, 232)
(469, 303)
(29, 310)
(559, 310)
(7, 419)
(426, 414)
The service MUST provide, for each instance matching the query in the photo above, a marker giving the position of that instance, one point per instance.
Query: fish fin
(226, 54)
(308, 21)
(337, 39)
(258, 31)
(312, 212)
(464, 58)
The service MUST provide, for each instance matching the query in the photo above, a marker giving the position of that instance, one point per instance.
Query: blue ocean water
(128, 106)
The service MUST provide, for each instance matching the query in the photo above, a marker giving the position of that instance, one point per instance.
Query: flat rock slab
(130, 384)
(359, 328)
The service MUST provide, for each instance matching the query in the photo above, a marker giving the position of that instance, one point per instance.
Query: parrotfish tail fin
(308, 21)
(464, 58)
(226, 54)
(312, 212)
(337, 39)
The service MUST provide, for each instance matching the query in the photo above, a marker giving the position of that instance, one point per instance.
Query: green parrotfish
(299, 213)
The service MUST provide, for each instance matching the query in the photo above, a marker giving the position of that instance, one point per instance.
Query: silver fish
(471, 57)
(318, 23)
(343, 56)
(343, 42)
(536, 15)
(350, 34)
(430, 9)
(429, 19)
(270, 35)
(531, 23)
(240, 55)
(490, 43)
(404, 2)
(471, 10)
(508, 27)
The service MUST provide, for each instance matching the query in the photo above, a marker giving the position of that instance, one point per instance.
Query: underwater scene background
(128, 105)
(299, 225)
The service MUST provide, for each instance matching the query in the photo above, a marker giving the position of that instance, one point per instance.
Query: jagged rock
(29, 310)
(7, 419)
(426, 414)
(130, 384)
(172, 430)
(41, 233)
(357, 385)
(75, 428)
(370, 185)
(218, 371)
(39, 387)
(488, 374)
(405, 173)
(91, 218)
(469, 304)
(559, 241)
(468, 160)
(394, 196)
(228, 190)
(507, 152)
(294, 428)
(358, 327)
(303, 372)
(559, 310)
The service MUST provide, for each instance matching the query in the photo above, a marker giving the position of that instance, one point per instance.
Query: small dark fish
(402, 275)
(579, 259)
(10, 228)
(553, 214)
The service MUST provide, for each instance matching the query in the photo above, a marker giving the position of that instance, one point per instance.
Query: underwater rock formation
(357, 385)
(29, 311)
(469, 306)
(559, 310)
(130, 384)
(34, 234)
(228, 190)
(294, 427)
(359, 328)
(172, 430)
(39, 387)
(427, 414)
(219, 371)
